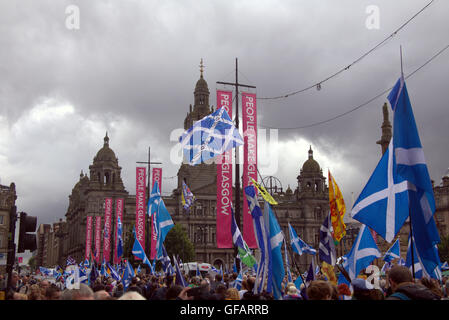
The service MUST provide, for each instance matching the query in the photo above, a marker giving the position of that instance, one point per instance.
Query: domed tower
(105, 173)
(201, 106)
(312, 191)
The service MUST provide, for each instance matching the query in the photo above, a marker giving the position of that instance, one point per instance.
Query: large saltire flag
(128, 275)
(412, 166)
(209, 137)
(187, 197)
(261, 231)
(337, 209)
(244, 251)
(298, 245)
(276, 240)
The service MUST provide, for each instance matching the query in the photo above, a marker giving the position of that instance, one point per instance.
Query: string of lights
(318, 84)
(361, 105)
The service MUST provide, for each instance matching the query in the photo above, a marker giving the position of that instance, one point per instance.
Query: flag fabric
(298, 245)
(114, 273)
(138, 251)
(198, 273)
(238, 281)
(363, 252)
(187, 197)
(419, 271)
(234, 267)
(164, 224)
(328, 271)
(276, 240)
(337, 209)
(120, 240)
(327, 251)
(45, 271)
(209, 137)
(445, 266)
(261, 231)
(128, 275)
(264, 193)
(155, 198)
(70, 261)
(298, 282)
(287, 263)
(244, 251)
(411, 166)
(166, 262)
(401, 262)
(179, 278)
(387, 266)
(139, 270)
(311, 272)
(393, 253)
(383, 203)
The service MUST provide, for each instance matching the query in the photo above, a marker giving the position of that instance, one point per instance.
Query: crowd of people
(398, 284)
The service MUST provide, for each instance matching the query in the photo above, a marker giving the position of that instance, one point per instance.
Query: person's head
(52, 293)
(432, 285)
(173, 292)
(250, 283)
(132, 295)
(83, 293)
(319, 290)
(343, 289)
(102, 295)
(399, 274)
(218, 278)
(220, 290)
(19, 296)
(205, 285)
(292, 291)
(44, 284)
(232, 294)
(25, 279)
(14, 278)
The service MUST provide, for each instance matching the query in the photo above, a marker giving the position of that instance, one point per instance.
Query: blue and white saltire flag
(103, 268)
(244, 252)
(445, 266)
(298, 245)
(166, 262)
(119, 237)
(86, 263)
(238, 281)
(214, 269)
(287, 263)
(261, 232)
(209, 137)
(401, 262)
(363, 252)
(45, 271)
(393, 253)
(155, 199)
(179, 279)
(83, 276)
(327, 251)
(164, 224)
(138, 250)
(114, 273)
(411, 166)
(277, 263)
(383, 203)
(234, 266)
(187, 197)
(139, 270)
(387, 266)
(298, 282)
(128, 275)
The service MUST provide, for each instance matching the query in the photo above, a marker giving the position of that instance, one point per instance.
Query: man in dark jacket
(403, 287)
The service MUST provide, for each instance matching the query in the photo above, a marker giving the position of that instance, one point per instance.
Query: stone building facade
(7, 201)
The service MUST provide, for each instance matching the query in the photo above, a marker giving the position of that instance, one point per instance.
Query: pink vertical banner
(97, 238)
(249, 119)
(224, 182)
(118, 214)
(107, 229)
(140, 205)
(88, 236)
(156, 177)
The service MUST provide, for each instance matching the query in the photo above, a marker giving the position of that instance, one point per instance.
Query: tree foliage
(178, 243)
(443, 248)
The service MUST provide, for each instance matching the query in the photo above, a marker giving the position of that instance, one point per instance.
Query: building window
(2, 217)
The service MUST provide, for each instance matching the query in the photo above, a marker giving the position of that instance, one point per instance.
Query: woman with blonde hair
(35, 293)
(232, 294)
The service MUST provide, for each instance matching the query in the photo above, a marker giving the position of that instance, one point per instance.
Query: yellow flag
(264, 193)
(337, 208)
(328, 271)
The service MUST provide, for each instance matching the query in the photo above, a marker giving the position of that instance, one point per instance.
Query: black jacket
(413, 291)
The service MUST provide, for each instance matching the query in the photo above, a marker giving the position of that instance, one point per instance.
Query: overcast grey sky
(131, 67)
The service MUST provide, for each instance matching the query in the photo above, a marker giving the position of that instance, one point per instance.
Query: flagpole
(409, 211)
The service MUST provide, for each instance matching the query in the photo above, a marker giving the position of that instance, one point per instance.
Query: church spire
(386, 129)
(106, 140)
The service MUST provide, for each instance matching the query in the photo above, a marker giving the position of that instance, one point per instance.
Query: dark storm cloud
(132, 66)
